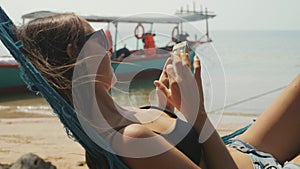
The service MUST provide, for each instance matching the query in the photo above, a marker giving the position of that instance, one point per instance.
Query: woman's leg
(296, 160)
(277, 130)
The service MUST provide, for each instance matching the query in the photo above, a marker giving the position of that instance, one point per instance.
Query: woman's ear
(70, 50)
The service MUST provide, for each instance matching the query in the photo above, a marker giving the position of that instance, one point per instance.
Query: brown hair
(45, 41)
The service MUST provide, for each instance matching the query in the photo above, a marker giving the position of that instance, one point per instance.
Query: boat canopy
(175, 19)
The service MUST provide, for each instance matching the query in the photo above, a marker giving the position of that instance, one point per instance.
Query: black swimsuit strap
(167, 111)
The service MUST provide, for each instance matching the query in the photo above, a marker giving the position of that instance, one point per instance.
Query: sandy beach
(41, 135)
(44, 135)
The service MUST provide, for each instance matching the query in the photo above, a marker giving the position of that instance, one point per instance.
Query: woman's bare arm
(215, 152)
(171, 159)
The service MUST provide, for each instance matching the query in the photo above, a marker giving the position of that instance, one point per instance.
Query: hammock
(65, 112)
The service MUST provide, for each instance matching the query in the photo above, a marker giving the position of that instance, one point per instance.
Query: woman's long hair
(45, 41)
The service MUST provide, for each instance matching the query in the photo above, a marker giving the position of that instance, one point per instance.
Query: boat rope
(251, 98)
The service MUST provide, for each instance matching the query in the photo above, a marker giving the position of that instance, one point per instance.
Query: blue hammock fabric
(61, 108)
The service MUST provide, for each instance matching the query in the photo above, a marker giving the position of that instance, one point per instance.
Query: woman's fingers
(197, 71)
(182, 63)
(197, 74)
(185, 59)
(174, 80)
(163, 76)
(197, 67)
(163, 95)
(170, 72)
(177, 61)
(169, 61)
(162, 88)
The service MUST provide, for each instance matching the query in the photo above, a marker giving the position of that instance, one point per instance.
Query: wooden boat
(10, 75)
(147, 62)
(139, 63)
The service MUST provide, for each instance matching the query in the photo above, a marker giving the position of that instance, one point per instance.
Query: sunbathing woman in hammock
(53, 45)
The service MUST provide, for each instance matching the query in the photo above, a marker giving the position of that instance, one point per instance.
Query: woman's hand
(163, 102)
(185, 89)
(197, 74)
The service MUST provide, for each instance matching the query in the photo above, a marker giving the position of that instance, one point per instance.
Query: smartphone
(180, 47)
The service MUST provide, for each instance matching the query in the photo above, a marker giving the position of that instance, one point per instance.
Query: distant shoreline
(12, 115)
(16, 115)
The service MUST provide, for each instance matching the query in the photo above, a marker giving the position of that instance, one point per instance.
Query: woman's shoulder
(131, 139)
(137, 131)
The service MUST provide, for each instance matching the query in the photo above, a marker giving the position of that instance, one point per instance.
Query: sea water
(254, 63)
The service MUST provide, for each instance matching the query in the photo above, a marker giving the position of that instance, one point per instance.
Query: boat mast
(207, 33)
(194, 7)
(181, 29)
(137, 44)
(116, 38)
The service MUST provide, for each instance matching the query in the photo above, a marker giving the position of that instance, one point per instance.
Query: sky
(231, 14)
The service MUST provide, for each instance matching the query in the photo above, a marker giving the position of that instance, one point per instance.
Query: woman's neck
(114, 114)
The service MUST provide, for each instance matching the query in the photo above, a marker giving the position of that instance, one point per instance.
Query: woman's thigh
(296, 159)
(277, 130)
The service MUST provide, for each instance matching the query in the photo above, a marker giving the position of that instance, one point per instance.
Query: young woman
(53, 45)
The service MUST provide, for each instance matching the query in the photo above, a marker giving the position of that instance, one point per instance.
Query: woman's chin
(113, 80)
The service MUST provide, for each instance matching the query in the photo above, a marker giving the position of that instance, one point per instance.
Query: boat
(146, 62)
(10, 75)
(142, 62)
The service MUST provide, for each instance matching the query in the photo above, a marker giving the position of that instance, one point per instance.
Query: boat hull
(10, 77)
(133, 68)
(140, 68)
(125, 71)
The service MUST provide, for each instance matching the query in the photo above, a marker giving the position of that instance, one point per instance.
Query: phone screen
(180, 47)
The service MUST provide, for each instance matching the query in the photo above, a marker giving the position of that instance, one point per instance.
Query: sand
(45, 136)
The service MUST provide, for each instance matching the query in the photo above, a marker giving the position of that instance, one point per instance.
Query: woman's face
(105, 73)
